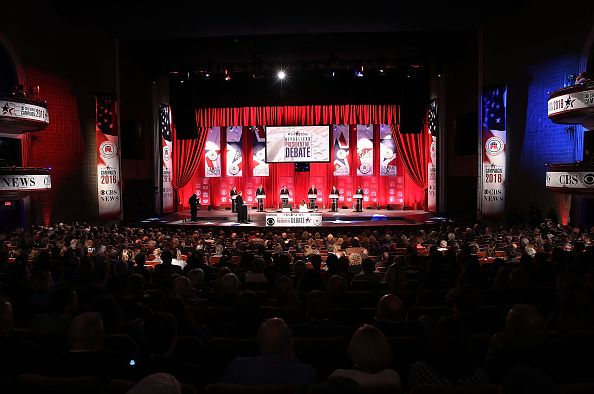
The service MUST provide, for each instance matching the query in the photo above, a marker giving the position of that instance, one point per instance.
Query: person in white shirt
(303, 206)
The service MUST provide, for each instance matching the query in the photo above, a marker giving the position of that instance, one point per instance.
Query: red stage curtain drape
(186, 157)
(298, 115)
(413, 150)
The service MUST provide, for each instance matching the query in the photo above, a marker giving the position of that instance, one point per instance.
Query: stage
(342, 218)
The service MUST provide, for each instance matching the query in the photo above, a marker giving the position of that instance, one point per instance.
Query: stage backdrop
(352, 126)
(166, 157)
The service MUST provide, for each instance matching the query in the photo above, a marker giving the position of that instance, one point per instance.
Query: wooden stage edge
(343, 218)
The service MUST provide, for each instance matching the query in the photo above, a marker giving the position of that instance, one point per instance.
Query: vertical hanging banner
(166, 158)
(432, 170)
(234, 151)
(259, 165)
(212, 153)
(387, 152)
(493, 152)
(364, 150)
(341, 150)
(108, 158)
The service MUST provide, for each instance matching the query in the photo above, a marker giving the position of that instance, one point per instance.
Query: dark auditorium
(297, 198)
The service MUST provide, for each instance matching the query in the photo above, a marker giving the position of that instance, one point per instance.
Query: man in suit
(239, 206)
(232, 193)
(359, 207)
(260, 192)
(335, 191)
(194, 207)
(284, 195)
(312, 201)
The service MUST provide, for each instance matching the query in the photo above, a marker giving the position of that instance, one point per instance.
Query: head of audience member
(140, 260)
(576, 310)
(41, 282)
(449, 349)
(316, 261)
(525, 328)
(86, 333)
(285, 292)
(389, 309)
(6, 316)
(274, 338)
(317, 305)
(337, 285)
(159, 332)
(157, 383)
(63, 301)
(196, 277)
(182, 287)
(395, 278)
(369, 350)
(465, 298)
(368, 266)
(166, 256)
(229, 283)
(502, 276)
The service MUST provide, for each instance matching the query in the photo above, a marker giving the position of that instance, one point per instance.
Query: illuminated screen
(294, 144)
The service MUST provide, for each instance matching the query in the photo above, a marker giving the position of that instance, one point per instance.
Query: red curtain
(413, 150)
(298, 115)
(186, 157)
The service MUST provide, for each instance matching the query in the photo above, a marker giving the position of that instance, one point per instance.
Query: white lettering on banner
(570, 180)
(571, 101)
(25, 182)
(16, 110)
(294, 219)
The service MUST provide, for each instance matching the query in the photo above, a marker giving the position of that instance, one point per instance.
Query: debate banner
(387, 152)
(259, 165)
(108, 158)
(212, 153)
(364, 150)
(234, 151)
(493, 152)
(166, 147)
(433, 125)
(341, 150)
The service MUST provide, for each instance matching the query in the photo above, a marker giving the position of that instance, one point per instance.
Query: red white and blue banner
(166, 158)
(259, 165)
(212, 153)
(433, 125)
(341, 150)
(493, 153)
(234, 162)
(364, 150)
(387, 152)
(109, 191)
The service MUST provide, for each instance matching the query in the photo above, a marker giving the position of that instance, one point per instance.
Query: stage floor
(343, 218)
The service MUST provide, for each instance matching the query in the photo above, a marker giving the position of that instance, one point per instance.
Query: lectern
(260, 198)
(358, 202)
(334, 200)
(312, 200)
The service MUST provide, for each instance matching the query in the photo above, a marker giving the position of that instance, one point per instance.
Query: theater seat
(577, 388)
(435, 389)
(223, 388)
(120, 386)
(34, 384)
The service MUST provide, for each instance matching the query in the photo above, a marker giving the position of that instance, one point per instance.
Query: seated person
(303, 207)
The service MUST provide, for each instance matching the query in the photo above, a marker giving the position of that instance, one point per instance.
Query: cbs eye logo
(589, 179)
(270, 221)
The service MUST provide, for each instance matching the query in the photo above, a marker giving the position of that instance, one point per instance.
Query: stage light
(281, 74)
(227, 76)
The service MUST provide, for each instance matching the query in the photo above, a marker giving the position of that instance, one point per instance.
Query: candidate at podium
(241, 217)
(359, 201)
(312, 201)
(334, 192)
(260, 192)
(232, 194)
(284, 195)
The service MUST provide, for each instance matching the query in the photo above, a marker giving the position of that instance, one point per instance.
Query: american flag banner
(259, 165)
(109, 182)
(433, 125)
(492, 198)
(364, 150)
(166, 157)
(341, 150)
(234, 151)
(212, 153)
(387, 152)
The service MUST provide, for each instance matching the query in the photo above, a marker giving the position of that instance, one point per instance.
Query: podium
(233, 207)
(358, 202)
(284, 200)
(312, 200)
(243, 213)
(260, 198)
(334, 200)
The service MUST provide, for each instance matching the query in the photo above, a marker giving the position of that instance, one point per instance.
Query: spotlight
(227, 76)
(359, 72)
(281, 75)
